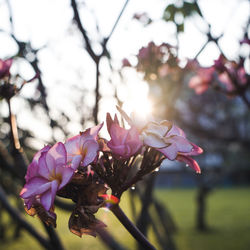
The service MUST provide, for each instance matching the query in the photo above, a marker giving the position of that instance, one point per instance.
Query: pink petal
(170, 152)
(109, 121)
(76, 160)
(181, 143)
(34, 187)
(66, 173)
(33, 168)
(47, 198)
(118, 135)
(159, 129)
(8, 63)
(95, 130)
(72, 146)
(176, 131)
(57, 155)
(133, 134)
(196, 150)
(153, 140)
(191, 162)
(117, 149)
(43, 169)
(134, 146)
(91, 147)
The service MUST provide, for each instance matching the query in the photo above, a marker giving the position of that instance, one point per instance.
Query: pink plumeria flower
(126, 63)
(83, 149)
(171, 141)
(201, 82)
(5, 67)
(47, 174)
(124, 142)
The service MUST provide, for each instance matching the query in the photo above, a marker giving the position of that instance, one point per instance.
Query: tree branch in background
(21, 221)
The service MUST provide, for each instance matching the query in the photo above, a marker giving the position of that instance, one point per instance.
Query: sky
(67, 68)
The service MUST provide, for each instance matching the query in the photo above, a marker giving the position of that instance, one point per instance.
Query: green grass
(228, 217)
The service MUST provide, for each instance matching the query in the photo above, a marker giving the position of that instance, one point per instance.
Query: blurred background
(184, 61)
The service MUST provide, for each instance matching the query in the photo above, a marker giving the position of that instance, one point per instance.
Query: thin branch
(116, 22)
(54, 240)
(83, 32)
(97, 94)
(132, 229)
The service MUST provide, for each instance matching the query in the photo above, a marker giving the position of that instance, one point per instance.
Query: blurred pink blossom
(5, 67)
(202, 80)
(245, 40)
(47, 173)
(126, 63)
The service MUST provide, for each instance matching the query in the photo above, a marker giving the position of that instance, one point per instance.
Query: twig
(83, 32)
(116, 22)
(97, 94)
(132, 229)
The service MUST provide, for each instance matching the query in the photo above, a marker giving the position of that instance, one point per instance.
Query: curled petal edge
(190, 162)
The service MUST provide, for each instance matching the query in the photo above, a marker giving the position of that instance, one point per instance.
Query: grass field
(228, 217)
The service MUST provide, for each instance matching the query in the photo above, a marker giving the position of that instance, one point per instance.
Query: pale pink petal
(8, 63)
(66, 173)
(57, 155)
(109, 121)
(76, 160)
(153, 140)
(181, 143)
(155, 128)
(47, 198)
(72, 146)
(191, 162)
(35, 186)
(43, 169)
(117, 149)
(170, 152)
(196, 150)
(33, 167)
(134, 146)
(91, 148)
(118, 135)
(133, 134)
(32, 171)
(95, 130)
(176, 131)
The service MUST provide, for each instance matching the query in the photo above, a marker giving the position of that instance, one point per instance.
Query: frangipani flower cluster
(86, 166)
(227, 76)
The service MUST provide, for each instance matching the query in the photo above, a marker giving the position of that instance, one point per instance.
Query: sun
(138, 103)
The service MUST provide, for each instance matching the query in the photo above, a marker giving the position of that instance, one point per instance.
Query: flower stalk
(132, 229)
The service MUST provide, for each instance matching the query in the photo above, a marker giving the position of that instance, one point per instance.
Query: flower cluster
(227, 76)
(156, 61)
(5, 67)
(86, 166)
